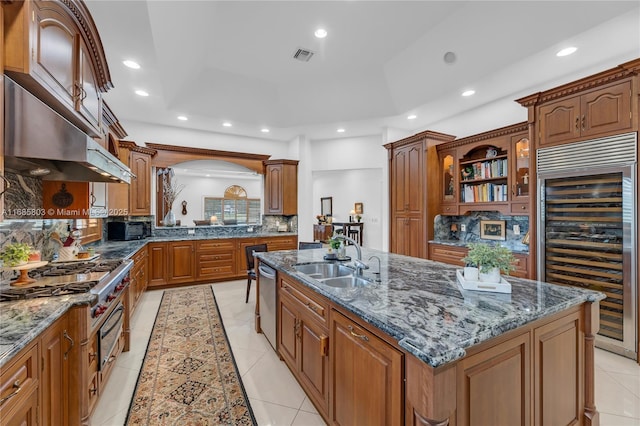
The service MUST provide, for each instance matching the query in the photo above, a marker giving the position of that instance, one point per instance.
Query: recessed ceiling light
(468, 92)
(131, 64)
(226, 124)
(320, 33)
(567, 51)
(182, 118)
(264, 130)
(141, 93)
(340, 130)
(412, 117)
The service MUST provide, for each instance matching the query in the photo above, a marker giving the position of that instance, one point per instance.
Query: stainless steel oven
(109, 334)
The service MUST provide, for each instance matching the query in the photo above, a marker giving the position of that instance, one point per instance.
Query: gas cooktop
(58, 279)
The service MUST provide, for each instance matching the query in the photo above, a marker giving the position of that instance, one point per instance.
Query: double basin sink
(331, 274)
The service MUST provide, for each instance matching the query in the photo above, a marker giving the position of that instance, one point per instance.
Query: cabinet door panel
(314, 361)
(560, 121)
(274, 194)
(140, 188)
(366, 377)
(55, 56)
(287, 332)
(53, 375)
(497, 377)
(606, 110)
(181, 262)
(399, 167)
(414, 179)
(158, 264)
(89, 100)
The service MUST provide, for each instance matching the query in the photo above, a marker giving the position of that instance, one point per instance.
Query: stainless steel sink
(320, 271)
(345, 282)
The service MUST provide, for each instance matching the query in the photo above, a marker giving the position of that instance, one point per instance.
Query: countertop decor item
(487, 258)
(15, 254)
(500, 287)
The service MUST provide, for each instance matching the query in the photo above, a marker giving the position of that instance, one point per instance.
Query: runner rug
(188, 375)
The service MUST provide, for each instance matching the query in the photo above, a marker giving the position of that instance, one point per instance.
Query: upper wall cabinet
(133, 199)
(281, 187)
(596, 112)
(600, 105)
(53, 49)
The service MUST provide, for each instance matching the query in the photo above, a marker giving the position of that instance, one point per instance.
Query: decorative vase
(471, 273)
(493, 276)
(169, 219)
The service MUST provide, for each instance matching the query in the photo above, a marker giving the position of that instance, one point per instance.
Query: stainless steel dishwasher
(267, 297)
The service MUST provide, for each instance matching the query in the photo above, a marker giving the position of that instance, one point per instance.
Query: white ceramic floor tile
(307, 419)
(268, 414)
(244, 336)
(270, 380)
(609, 361)
(246, 358)
(308, 406)
(613, 398)
(613, 420)
(117, 394)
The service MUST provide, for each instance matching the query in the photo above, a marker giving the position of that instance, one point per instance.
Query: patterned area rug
(189, 376)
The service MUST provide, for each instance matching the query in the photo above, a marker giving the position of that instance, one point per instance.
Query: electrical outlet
(250, 229)
(191, 231)
(463, 227)
(516, 229)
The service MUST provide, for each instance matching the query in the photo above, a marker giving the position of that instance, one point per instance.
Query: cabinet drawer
(318, 309)
(521, 264)
(216, 245)
(447, 254)
(18, 379)
(282, 243)
(519, 208)
(449, 209)
(92, 391)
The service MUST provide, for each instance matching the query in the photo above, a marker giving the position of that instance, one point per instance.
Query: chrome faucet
(359, 264)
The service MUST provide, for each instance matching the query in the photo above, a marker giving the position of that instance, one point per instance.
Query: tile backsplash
(471, 222)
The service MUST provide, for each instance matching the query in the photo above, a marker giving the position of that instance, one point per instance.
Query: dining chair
(302, 245)
(251, 272)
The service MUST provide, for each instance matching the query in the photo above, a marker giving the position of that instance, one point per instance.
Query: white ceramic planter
(493, 276)
(471, 273)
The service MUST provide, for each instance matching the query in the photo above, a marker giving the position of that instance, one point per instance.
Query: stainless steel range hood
(37, 140)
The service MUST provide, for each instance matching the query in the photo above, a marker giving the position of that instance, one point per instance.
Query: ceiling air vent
(303, 55)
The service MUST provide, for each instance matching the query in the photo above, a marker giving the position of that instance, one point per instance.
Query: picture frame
(326, 206)
(493, 230)
(358, 208)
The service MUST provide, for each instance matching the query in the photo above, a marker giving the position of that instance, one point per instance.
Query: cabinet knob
(523, 207)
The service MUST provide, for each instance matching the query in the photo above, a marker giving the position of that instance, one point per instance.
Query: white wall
(198, 187)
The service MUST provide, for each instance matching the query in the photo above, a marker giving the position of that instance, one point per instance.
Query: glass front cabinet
(448, 182)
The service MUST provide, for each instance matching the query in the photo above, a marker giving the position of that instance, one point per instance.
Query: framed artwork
(493, 230)
(358, 208)
(326, 206)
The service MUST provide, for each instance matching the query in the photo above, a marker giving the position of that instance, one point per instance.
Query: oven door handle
(116, 324)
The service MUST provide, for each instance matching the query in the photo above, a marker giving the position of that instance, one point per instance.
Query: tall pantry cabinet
(413, 208)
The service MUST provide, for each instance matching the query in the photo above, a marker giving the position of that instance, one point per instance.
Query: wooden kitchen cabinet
(158, 264)
(413, 207)
(138, 278)
(47, 51)
(54, 346)
(241, 255)
(215, 259)
(322, 232)
(3, 183)
(453, 256)
(19, 388)
(281, 187)
(285, 242)
(448, 181)
(181, 262)
(133, 199)
(303, 340)
(602, 111)
(366, 376)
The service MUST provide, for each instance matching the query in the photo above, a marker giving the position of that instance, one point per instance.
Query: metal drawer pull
(66, 336)
(359, 336)
(16, 385)
(312, 307)
(93, 391)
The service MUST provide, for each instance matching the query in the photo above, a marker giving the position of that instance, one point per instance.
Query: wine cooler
(587, 222)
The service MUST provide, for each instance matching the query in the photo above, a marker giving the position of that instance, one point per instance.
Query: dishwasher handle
(267, 272)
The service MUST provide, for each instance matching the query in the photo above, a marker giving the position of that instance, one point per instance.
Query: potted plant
(490, 260)
(15, 254)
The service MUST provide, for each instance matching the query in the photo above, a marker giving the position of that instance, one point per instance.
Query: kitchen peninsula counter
(468, 357)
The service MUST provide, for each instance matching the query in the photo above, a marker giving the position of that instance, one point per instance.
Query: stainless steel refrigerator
(588, 223)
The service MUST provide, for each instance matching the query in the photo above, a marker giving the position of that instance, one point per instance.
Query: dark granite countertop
(420, 304)
(458, 243)
(22, 321)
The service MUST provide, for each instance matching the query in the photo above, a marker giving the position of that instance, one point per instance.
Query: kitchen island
(451, 357)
